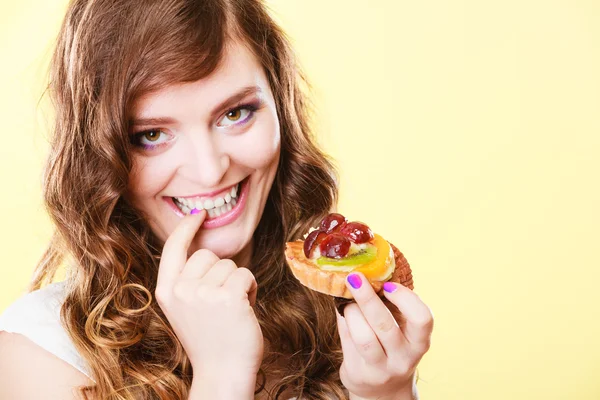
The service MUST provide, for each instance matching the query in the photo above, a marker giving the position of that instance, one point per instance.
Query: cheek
(148, 177)
(259, 147)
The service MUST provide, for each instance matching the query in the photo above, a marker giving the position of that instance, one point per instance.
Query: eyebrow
(229, 102)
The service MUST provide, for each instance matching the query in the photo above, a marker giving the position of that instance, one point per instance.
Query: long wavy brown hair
(108, 53)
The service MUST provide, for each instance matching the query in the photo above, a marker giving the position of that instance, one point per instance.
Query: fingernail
(390, 287)
(354, 280)
(195, 211)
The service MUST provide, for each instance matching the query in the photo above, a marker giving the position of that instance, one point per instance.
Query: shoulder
(36, 314)
(34, 319)
(42, 302)
(27, 371)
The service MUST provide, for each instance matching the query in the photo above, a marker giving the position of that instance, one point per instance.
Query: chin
(220, 243)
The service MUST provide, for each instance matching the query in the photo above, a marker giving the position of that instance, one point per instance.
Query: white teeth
(213, 212)
(215, 207)
(181, 205)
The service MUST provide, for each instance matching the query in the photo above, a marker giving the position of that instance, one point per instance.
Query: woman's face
(211, 144)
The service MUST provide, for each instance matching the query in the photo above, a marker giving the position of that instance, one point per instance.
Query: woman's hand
(208, 302)
(382, 346)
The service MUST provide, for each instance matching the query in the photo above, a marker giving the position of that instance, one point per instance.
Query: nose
(205, 162)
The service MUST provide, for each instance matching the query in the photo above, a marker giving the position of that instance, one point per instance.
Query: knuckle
(402, 367)
(424, 346)
(352, 308)
(205, 293)
(352, 375)
(225, 297)
(430, 317)
(360, 380)
(367, 346)
(180, 291)
(161, 295)
(168, 247)
(381, 379)
(385, 326)
(245, 273)
(371, 301)
(204, 254)
(425, 314)
(227, 264)
(425, 320)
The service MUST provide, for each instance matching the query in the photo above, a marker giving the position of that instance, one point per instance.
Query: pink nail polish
(355, 281)
(390, 287)
(195, 211)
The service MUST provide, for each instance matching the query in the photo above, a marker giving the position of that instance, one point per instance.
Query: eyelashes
(238, 116)
(149, 139)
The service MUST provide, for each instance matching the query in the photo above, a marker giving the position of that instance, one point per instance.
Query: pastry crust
(333, 282)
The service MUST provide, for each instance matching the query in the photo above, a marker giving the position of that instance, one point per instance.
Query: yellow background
(467, 132)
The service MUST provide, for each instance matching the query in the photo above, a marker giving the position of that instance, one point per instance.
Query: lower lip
(235, 212)
(226, 218)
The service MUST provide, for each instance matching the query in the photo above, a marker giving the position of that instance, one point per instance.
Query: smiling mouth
(216, 206)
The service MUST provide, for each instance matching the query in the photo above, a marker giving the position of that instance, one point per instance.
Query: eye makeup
(250, 107)
(137, 138)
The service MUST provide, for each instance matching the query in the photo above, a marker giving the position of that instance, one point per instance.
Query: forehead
(239, 68)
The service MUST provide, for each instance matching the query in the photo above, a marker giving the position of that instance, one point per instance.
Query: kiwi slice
(362, 257)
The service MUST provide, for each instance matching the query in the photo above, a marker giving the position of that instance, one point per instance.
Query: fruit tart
(326, 256)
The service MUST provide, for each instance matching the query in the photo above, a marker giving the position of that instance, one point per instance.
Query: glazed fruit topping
(312, 241)
(335, 236)
(335, 246)
(333, 222)
(376, 267)
(362, 257)
(357, 232)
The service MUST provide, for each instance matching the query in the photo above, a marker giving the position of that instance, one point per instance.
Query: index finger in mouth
(175, 249)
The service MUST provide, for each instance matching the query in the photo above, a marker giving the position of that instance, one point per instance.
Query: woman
(182, 161)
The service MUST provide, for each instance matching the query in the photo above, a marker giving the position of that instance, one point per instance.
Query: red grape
(335, 246)
(357, 232)
(332, 222)
(312, 240)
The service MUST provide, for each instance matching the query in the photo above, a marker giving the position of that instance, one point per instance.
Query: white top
(36, 316)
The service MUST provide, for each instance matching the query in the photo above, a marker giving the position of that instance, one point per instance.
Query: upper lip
(209, 194)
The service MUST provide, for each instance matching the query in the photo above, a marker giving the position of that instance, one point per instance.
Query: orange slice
(376, 268)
